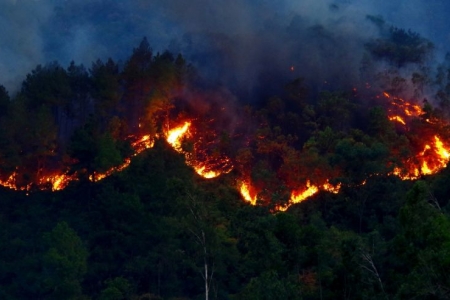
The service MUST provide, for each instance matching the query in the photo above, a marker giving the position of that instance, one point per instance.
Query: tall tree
(64, 263)
(137, 81)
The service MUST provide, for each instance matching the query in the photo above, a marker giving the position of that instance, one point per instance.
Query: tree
(48, 85)
(423, 246)
(106, 90)
(81, 87)
(335, 111)
(117, 289)
(270, 286)
(198, 222)
(64, 263)
(4, 101)
(94, 151)
(401, 47)
(137, 83)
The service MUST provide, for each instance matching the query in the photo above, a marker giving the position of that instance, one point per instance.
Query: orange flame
(58, 181)
(176, 135)
(201, 170)
(146, 142)
(299, 196)
(207, 168)
(434, 157)
(397, 119)
(309, 191)
(99, 176)
(10, 182)
(247, 192)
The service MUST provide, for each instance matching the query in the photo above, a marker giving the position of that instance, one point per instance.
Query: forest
(141, 180)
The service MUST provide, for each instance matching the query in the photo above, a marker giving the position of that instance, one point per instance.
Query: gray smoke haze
(244, 44)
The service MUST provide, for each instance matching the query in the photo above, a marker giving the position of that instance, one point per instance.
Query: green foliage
(149, 231)
(269, 286)
(47, 85)
(424, 246)
(334, 110)
(94, 152)
(108, 154)
(401, 47)
(117, 289)
(65, 263)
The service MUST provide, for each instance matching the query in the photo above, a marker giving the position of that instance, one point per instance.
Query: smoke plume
(249, 46)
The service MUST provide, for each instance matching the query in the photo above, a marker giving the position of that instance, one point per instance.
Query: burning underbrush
(269, 163)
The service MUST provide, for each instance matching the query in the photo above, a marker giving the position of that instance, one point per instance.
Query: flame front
(203, 164)
(310, 190)
(145, 142)
(59, 181)
(176, 135)
(201, 170)
(247, 193)
(397, 119)
(209, 156)
(299, 196)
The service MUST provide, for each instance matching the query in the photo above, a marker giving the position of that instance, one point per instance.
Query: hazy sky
(233, 41)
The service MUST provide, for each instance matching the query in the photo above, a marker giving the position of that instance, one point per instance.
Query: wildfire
(434, 154)
(58, 181)
(247, 192)
(434, 158)
(310, 190)
(299, 196)
(441, 150)
(176, 135)
(201, 170)
(146, 142)
(332, 188)
(99, 176)
(206, 155)
(207, 166)
(400, 107)
(10, 182)
(397, 119)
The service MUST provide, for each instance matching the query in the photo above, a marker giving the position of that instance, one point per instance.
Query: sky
(234, 42)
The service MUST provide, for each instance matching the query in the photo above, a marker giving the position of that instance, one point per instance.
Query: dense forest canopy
(142, 179)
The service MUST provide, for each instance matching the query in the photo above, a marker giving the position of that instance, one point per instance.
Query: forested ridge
(157, 229)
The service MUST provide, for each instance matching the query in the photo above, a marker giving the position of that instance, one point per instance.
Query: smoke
(21, 41)
(249, 46)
